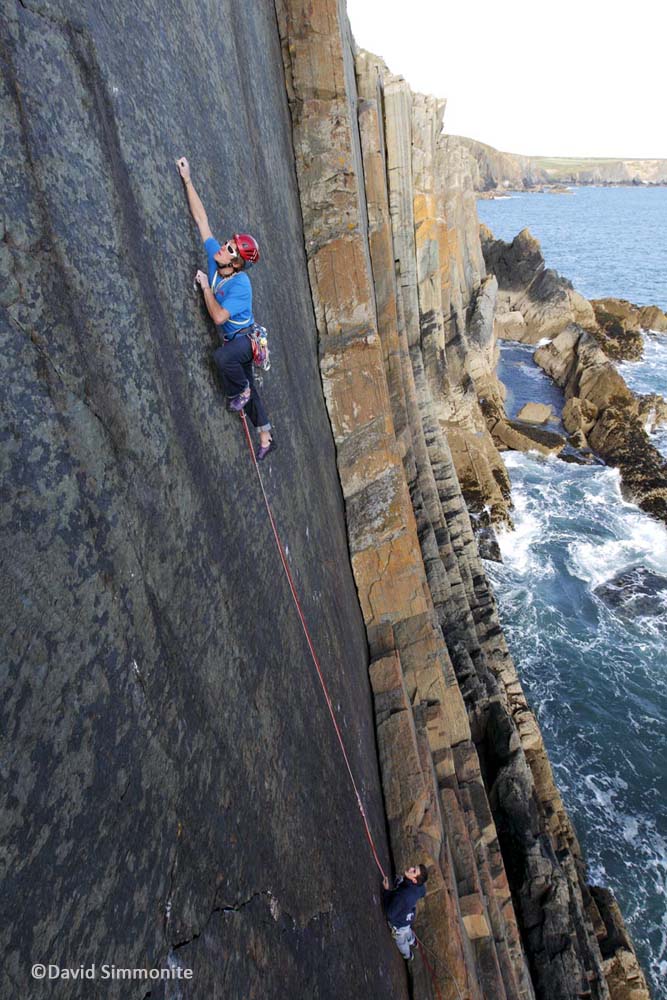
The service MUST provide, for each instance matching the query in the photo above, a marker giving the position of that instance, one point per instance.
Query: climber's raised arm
(228, 297)
(194, 201)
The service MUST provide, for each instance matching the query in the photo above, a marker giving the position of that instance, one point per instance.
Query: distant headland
(494, 172)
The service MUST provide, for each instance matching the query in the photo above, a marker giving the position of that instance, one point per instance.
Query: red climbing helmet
(247, 247)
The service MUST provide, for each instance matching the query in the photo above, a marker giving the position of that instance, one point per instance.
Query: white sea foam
(629, 828)
(597, 679)
(517, 546)
(649, 374)
(595, 499)
(597, 874)
(517, 460)
(532, 371)
(582, 509)
(639, 541)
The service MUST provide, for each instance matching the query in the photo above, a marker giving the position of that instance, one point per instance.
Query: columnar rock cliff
(406, 355)
(174, 792)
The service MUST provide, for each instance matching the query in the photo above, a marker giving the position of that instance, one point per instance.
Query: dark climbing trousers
(234, 362)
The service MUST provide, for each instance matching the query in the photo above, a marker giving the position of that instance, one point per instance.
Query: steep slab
(173, 792)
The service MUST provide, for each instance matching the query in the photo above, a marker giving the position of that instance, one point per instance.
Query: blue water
(607, 241)
(650, 375)
(596, 680)
(526, 382)
(596, 676)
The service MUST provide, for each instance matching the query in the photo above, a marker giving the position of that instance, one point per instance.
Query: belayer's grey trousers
(404, 938)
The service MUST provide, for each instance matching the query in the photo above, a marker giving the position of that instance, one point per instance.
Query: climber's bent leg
(255, 408)
(231, 360)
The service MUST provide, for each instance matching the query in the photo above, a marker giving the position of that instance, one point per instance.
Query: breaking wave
(597, 679)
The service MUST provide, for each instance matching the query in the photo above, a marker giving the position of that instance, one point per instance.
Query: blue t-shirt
(234, 294)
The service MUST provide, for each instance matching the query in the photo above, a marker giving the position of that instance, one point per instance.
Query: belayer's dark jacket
(400, 903)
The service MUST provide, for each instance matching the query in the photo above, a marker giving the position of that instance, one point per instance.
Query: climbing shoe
(263, 450)
(238, 402)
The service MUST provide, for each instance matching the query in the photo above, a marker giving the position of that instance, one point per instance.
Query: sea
(582, 590)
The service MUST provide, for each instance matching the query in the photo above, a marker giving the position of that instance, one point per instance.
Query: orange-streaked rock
(405, 314)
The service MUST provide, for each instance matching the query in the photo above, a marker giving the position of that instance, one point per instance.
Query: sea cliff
(174, 792)
(494, 171)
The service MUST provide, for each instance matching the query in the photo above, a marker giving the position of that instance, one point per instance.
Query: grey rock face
(546, 301)
(514, 264)
(170, 769)
(635, 592)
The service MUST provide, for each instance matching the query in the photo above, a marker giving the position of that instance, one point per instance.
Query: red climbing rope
(428, 966)
(422, 951)
(302, 619)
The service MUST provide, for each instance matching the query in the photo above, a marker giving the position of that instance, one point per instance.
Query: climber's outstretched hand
(183, 168)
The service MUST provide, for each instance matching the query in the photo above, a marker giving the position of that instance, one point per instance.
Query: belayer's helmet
(247, 247)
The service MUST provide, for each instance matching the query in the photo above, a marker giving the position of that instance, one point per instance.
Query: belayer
(228, 297)
(400, 906)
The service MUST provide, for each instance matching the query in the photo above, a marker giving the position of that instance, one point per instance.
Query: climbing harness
(327, 696)
(313, 654)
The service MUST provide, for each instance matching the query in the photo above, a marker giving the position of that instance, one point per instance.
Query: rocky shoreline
(601, 414)
(532, 189)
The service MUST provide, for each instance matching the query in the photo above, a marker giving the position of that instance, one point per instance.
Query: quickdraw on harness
(259, 342)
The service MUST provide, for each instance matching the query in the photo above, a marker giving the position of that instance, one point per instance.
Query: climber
(400, 904)
(228, 297)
